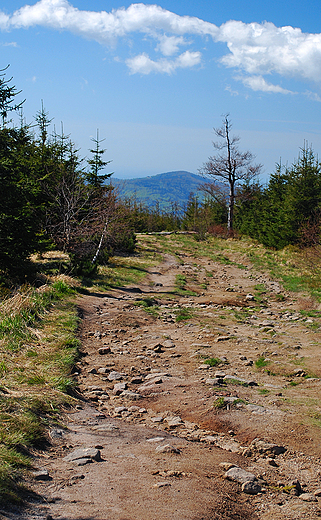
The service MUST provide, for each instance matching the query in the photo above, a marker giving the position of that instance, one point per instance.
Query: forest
(51, 198)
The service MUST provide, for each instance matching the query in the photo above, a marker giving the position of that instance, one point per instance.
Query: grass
(183, 314)
(38, 349)
(213, 362)
(261, 362)
(219, 403)
(149, 305)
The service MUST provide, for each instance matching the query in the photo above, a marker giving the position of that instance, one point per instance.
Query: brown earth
(168, 398)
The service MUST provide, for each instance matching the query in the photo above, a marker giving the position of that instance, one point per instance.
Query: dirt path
(162, 448)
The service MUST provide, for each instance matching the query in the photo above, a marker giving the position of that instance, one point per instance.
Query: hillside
(164, 188)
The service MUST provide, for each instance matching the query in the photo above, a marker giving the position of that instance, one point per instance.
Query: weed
(261, 362)
(183, 314)
(219, 403)
(263, 391)
(213, 362)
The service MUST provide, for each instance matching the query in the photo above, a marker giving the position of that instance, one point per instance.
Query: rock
(157, 374)
(264, 447)
(83, 453)
(119, 388)
(136, 380)
(157, 419)
(168, 343)
(174, 422)
(115, 376)
(227, 465)
(299, 372)
(317, 493)
(162, 484)
(156, 439)
(103, 370)
(222, 338)
(167, 448)
(308, 497)
(214, 381)
(249, 297)
(272, 462)
(130, 395)
(134, 409)
(41, 474)
(102, 351)
(82, 462)
(240, 475)
(120, 409)
(220, 375)
(251, 488)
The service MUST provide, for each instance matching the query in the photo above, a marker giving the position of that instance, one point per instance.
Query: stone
(157, 419)
(264, 447)
(157, 374)
(156, 439)
(102, 351)
(82, 462)
(308, 497)
(249, 297)
(41, 474)
(214, 381)
(168, 343)
(226, 465)
(119, 388)
(162, 484)
(136, 380)
(103, 370)
(120, 409)
(174, 422)
(130, 395)
(167, 448)
(83, 453)
(240, 475)
(115, 376)
(134, 409)
(222, 338)
(251, 488)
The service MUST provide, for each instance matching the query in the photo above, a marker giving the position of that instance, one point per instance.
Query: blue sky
(156, 78)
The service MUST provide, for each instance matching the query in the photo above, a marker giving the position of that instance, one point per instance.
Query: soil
(165, 433)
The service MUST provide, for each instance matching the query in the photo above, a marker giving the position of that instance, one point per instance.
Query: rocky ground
(162, 434)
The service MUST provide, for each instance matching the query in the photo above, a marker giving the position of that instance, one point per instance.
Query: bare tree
(228, 168)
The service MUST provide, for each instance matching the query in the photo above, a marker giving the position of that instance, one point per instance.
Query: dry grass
(38, 348)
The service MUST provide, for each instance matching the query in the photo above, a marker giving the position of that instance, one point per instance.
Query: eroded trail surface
(164, 426)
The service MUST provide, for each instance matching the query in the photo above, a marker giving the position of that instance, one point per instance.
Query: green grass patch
(213, 362)
(263, 391)
(219, 403)
(183, 314)
(261, 362)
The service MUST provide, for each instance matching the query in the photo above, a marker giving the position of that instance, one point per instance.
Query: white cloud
(254, 49)
(169, 45)
(313, 96)
(143, 64)
(258, 83)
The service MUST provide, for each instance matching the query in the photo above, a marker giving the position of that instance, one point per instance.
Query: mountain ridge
(162, 189)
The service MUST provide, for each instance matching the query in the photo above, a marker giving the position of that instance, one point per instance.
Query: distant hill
(164, 188)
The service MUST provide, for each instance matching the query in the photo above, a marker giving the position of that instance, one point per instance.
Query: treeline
(52, 198)
(287, 210)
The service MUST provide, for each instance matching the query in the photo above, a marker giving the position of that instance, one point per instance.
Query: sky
(156, 79)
